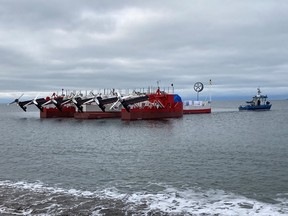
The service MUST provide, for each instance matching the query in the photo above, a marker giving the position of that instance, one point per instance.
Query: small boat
(258, 102)
(197, 106)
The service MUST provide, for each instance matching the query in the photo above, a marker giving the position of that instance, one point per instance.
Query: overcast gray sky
(49, 45)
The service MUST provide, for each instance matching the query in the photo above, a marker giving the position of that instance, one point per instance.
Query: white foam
(113, 193)
(170, 200)
(4, 210)
(198, 203)
(41, 187)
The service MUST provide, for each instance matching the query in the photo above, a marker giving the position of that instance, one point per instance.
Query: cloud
(50, 45)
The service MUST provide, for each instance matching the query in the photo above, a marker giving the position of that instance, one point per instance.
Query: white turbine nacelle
(34, 100)
(120, 99)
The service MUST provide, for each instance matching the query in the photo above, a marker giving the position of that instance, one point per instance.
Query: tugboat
(198, 106)
(258, 102)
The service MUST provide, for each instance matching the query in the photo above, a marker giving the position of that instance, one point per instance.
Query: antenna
(158, 81)
(210, 86)
(172, 85)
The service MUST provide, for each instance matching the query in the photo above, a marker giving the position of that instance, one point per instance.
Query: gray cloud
(50, 45)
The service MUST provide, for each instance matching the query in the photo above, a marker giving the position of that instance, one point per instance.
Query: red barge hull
(161, 106)
(151, 106)
(197, 111)
(149, 114)
(51, 112)
(70, 112)
(96, 115)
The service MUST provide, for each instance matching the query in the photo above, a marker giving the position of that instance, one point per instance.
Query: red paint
(161, 105)
(97, 115)
(53, 112)
(197, 111)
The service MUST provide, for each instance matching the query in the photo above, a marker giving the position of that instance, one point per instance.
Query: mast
(210, 86)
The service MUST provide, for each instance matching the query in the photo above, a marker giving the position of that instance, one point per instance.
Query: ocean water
(224, 163)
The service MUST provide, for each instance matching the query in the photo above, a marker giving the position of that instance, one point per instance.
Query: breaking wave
(24, 198)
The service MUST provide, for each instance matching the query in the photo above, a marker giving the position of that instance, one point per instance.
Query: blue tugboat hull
(255, 108)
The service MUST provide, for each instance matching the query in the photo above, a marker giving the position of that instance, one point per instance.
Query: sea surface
(224, 163)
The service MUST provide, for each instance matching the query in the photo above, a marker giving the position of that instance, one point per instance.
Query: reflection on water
(224, 162)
